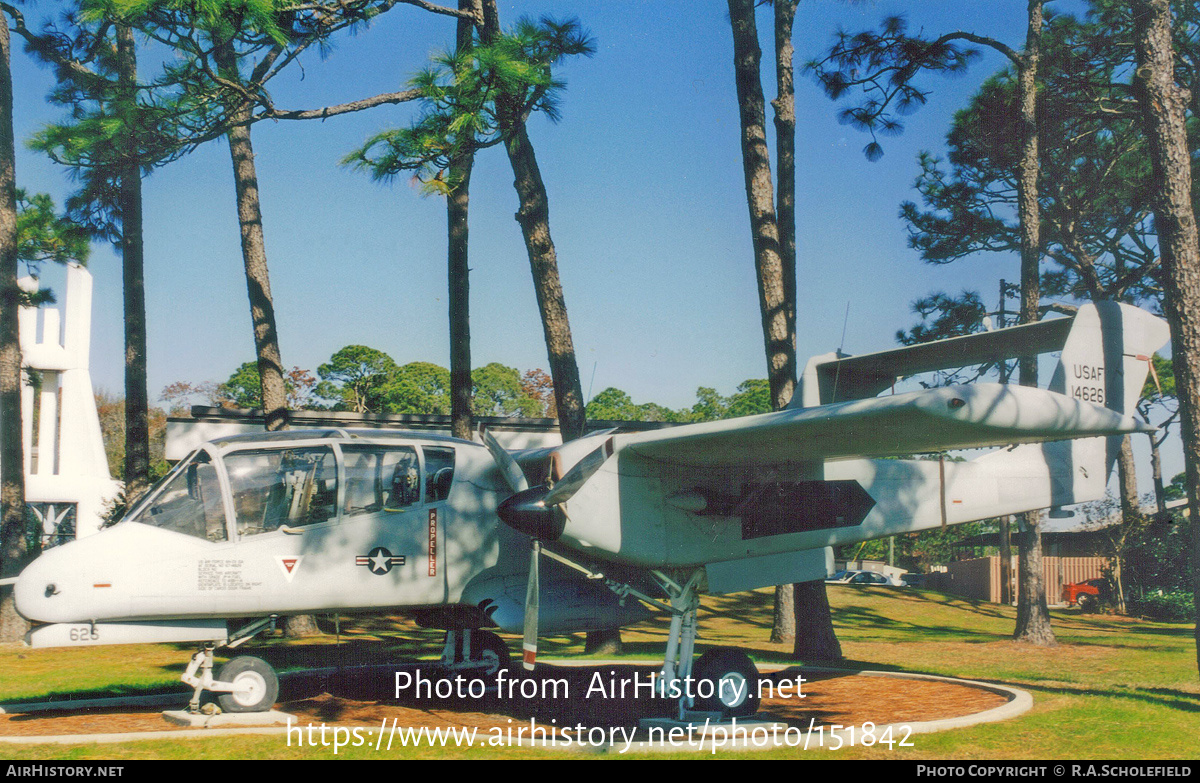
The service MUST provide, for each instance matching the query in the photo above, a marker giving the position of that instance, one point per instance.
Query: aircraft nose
(40, 596)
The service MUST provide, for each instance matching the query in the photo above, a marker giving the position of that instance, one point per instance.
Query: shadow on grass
(1162, 697)
(865, 619)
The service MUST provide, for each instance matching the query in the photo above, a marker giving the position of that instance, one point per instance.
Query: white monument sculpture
(67, 481)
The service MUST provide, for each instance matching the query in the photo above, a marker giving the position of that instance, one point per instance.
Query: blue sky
(647, 208)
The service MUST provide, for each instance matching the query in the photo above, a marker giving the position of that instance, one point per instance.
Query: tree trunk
(1033, 616)
(783, 618)
(1006, 595)
(604, 643)
(785, 156)
(783, 628)
(13, 552)
(458, 270)
(254, 256)
(533, 215)
(258, 284)
(137, 402)
(774, 241)
(1179, 246)
(300, 625)
(1131, 508)
(764, 228)
(815, 639)
(1160, 491)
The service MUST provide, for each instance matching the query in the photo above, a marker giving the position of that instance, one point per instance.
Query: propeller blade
(508, 466)
(532, 589)
(578, 475)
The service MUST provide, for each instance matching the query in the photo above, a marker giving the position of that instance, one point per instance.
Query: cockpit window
(189, 503)
(439, 473)
(380, 478)
(282, 487)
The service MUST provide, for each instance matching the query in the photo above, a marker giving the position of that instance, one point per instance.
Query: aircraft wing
(956, 417)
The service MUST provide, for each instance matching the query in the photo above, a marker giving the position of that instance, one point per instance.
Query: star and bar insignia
(379, 560)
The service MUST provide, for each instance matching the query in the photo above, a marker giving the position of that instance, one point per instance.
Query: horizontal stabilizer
(866, 375)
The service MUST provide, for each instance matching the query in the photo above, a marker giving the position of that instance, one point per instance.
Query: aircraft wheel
(734, 681)
(256, 687)
(490, 648)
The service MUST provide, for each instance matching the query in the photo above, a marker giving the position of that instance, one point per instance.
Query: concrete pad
(201, 721)
(703, 724)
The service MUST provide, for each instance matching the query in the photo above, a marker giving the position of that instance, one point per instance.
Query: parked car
(1087, 594)
(841, 577)
(911, 579)
(874, 578)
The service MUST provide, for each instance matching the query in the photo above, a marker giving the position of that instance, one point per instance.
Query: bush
(1176, 607)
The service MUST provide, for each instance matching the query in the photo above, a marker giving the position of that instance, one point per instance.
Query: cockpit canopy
(250, 485)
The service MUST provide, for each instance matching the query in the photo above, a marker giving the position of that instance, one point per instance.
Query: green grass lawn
(1112, 688)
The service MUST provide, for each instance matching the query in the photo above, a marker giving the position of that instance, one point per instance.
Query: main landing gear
(245, 684)
(474, 650)
(724, 680)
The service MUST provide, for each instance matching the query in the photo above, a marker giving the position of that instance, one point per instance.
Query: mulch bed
(585, 695)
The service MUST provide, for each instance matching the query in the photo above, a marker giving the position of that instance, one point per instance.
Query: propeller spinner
(537, 512)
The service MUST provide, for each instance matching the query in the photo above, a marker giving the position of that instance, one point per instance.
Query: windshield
(189, 502)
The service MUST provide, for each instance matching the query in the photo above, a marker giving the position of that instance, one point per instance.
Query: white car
(874, 578)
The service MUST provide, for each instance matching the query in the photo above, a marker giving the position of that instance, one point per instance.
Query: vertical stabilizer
(1105, 360)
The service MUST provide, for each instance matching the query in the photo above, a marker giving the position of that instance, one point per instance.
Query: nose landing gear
(245, 684)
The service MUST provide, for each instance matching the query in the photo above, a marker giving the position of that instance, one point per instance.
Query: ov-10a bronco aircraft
(456, 533)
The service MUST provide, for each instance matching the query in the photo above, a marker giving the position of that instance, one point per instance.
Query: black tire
(257, 681)
(734, 681)
(1087, 602)
(487, 646)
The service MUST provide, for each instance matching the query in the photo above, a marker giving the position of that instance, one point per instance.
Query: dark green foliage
(1173, 607)
(952, 317)
(1176, 490)
(243, 388)
(919, 551)
(418, 387)
(1095, 205)
(1155, 556)
(615, 405)
(498, 392)
(460, 95)
(752, 397)
(191, 102)
(366, 380)
(43, 235)
(356, 378)
(883, 65)
(111, 127)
